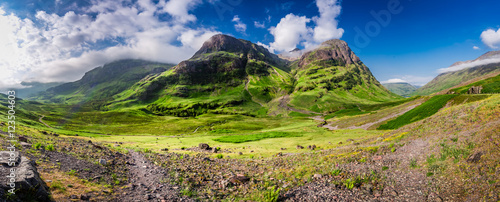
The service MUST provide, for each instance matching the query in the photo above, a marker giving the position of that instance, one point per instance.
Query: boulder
(204, 146)
(239, 179)
(300, 147)
(475, 90)
(26, 179)
(23, 139)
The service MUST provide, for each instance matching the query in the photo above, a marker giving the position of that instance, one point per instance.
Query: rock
(25, 144)
(283, 148)
(311, 147)
(240, 153)
(204, 146)
(164, 149)
(27, 182)
(475, 90)
(317, 176)
(376, 158)
(23, 139)
(340, 142)
(279, 154)
(84, 197)
(433, 197)
(103, 161)
(55, 134)
(349, 140)
(239, 179)
(90, 142)
(214, 150)
(148, 197)
(474, 158)
(300, 147)
(73, 197)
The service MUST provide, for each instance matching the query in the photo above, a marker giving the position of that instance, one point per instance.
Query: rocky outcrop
(331, 50)
(475, 90)
(23, 177)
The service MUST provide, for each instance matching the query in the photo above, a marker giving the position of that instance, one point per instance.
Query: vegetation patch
(254, 137)
(425, 110)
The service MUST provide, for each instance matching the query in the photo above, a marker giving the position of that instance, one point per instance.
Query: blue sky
(45, 40)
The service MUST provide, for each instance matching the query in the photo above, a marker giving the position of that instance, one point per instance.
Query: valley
(238, 123)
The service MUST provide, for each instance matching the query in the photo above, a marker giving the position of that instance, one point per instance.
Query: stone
(474, 158)
(311, 147)
(300, 147)
(214, 150)
(148, 197)
(23, 139)
(73, 197)
(239, 179)
(204, 146)
(164, 149)
(475, 90)
(240, 153)
(283, 148)
(84, 197)
(25, 144)
(28, 184)
(317, 176)
(103, 161)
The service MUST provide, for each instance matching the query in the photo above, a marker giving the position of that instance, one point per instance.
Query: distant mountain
(483, 65)
(292, 55)
(403, 89)
(32, 88)
(102, 83)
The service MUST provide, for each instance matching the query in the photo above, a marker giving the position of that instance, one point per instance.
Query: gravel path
(146, 182)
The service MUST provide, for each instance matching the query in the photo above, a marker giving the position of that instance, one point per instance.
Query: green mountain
(332, 77)
(32, 88)
(486, 64)
(489, 85)
(403, 89)
(102, 83)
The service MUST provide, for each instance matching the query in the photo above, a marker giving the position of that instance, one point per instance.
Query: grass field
(423, 111)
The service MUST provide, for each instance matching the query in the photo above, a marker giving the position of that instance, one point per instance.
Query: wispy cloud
(239, 26)
(476, 48)
(469, 65)
(411, 79)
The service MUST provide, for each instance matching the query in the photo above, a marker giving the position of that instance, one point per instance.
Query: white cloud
(259, 25)
(179, 9)
(239, 26)
(62, 48)
(292, 30)
(469, 65)
(394, 81)
(491, 38)
(289, 32)
(326, 25)
(476, 48)
(414, 80)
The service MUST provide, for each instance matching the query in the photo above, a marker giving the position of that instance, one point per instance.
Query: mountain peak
(222, 42)
(334, 49)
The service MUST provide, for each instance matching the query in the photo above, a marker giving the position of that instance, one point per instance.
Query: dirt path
(368, 125)
(40, 119)
(146, 182)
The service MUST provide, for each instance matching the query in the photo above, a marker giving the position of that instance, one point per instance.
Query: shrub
(219, 156)
(37, 146)
(50, 147)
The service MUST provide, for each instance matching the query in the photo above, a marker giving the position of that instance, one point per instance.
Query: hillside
(229, 75)
(332, 77)
(101, 83)
(451, 79)
(402, 89)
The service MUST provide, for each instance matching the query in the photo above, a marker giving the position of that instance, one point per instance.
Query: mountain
(403, 89)
(101, 83)
(32, 88)
(331, 77)
(486, 64)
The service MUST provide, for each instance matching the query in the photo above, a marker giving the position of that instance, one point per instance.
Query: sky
(399, 40)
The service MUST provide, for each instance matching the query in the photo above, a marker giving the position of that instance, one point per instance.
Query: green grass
(490, 85)
(423, 111)
(254, 137)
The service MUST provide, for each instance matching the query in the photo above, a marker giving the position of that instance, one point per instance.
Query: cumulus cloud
(289, 32)
(491, 38)
(326, 25)
(476, 48)
(239, 26)
(292, 30)
(470, 64)
(53, 47)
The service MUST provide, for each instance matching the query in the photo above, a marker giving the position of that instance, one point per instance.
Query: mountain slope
(451, 79)
(33, 88)
(403, 89)
(332, 77)
(101, 83)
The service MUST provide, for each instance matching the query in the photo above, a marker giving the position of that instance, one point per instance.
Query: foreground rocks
(25, 179)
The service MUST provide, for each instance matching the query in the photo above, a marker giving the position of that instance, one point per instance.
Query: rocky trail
(41, 121)
(146, 182)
